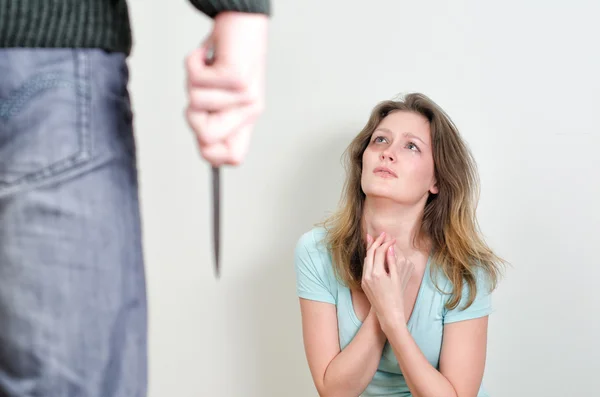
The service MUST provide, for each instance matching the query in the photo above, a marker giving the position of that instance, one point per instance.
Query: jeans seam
(84, 98)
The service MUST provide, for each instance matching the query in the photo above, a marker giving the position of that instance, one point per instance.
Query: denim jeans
(72, 284)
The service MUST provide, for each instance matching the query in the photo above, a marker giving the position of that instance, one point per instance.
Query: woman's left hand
(384, 285)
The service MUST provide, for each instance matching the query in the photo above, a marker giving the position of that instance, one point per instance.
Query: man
(72, 285)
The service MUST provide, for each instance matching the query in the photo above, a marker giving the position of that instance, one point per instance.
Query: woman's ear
(434, 188)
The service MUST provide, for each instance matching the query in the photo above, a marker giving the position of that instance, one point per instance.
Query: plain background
(520, 79)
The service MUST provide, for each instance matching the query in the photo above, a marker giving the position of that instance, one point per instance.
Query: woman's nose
(387, 155)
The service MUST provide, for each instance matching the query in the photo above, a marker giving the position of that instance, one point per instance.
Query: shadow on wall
(274, 334)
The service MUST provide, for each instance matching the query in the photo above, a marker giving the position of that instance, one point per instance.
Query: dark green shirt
(101, 24)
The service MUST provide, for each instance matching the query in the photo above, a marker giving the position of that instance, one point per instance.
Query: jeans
(72, 284)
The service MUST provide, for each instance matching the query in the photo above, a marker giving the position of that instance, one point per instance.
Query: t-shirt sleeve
(311, 275)
(481, 306)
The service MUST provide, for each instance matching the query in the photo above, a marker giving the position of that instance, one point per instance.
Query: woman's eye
(412, 146)
(379, 139)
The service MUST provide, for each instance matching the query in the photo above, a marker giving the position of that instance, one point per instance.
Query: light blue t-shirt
(315, 280)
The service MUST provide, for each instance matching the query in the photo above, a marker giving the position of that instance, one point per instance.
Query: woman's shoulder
(313, 240)
(312, 250)
(443, 282)
(481, 305)
(314, 271)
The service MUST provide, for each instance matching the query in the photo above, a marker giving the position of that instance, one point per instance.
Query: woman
(395, 287)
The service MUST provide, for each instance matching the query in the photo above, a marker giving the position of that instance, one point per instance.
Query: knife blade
(216, 188)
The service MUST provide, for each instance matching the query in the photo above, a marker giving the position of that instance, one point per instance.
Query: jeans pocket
(44, 115)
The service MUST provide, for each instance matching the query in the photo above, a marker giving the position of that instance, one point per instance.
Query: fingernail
(391, 249)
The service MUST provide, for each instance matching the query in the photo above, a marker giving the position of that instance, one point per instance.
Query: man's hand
(227, 96)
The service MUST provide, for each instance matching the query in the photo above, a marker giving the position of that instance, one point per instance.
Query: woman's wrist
(372, 321)
(392, 324)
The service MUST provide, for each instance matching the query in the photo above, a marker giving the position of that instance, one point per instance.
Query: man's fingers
(218, 125)
(196, 120)
(215, 75)
(214, 153)
(239, 144)
(223, 137)
(231, 151)
(214, 100)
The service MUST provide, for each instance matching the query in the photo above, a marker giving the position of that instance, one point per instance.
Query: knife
(216, 196)
(216, 189)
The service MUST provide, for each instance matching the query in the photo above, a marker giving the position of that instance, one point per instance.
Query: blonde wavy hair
(449, 219)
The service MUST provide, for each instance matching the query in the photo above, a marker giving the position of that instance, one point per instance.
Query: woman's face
(398, 162)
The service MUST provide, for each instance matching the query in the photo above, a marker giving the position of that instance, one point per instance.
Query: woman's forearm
(351, 371)
(422, 378)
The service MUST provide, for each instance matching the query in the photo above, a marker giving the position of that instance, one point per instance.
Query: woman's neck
(397, 221)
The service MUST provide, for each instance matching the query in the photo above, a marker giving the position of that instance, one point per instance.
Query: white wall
(521, 81)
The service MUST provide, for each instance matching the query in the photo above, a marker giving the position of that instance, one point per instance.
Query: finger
(212, 100)
(404, 271)
(369, 241)
(215, 153)
(391, 262)
(196, 120)
(195, 62)
(218, 125)
(368, 265)
(379, 260)
(239, 144)
(231, 151)
(217, 75)
(372, 251)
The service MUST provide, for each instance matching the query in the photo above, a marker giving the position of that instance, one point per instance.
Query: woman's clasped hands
(384, 280)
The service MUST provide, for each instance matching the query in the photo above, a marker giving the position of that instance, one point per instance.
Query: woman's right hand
(372, 319)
